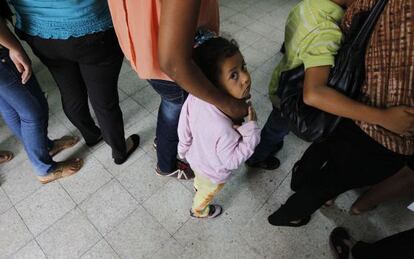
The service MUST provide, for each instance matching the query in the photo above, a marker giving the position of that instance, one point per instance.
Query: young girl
(209, 140)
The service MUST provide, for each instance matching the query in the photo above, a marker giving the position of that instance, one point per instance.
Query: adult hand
(399, 119)
(22, 63)
(235, 108)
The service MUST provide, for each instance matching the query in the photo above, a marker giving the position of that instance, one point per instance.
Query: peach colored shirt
(136, 24)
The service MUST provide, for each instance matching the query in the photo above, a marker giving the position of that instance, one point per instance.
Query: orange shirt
(136, 24)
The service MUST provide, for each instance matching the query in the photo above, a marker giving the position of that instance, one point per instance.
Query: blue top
(61, 19)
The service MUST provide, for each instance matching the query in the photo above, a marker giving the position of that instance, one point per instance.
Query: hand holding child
(399, 120)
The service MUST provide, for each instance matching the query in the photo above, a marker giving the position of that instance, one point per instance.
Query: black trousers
(349, 159)
(83, 67)
(396, 246)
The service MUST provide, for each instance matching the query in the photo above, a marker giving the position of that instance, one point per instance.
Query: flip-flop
(337, 243)
(135, 143)
(70, 141)
(5, 156)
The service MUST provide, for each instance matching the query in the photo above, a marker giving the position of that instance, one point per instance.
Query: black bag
(347, 76)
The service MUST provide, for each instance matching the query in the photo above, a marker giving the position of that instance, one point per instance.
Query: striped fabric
(312, 38)
(389, 66)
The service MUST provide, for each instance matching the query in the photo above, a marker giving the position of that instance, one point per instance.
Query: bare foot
(63, 143)
(5, 156)
(63, 169)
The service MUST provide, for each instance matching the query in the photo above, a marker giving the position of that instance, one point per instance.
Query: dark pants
(271, 137)
(83, 67)
(347, 160)
(172, 100)
(398, 246)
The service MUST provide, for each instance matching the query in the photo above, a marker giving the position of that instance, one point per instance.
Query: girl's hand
(22, 63)
(399, 119)
(251, 116)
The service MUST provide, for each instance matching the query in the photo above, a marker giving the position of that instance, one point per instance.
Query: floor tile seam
(90, 194)
(152, 194)
(156, 220)
(27, 228)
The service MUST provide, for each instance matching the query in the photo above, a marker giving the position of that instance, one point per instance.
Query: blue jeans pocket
(8, 72)
(169, 91)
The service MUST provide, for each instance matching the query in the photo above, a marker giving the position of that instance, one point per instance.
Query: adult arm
(16, 51)
(398, 119)
(178, 25)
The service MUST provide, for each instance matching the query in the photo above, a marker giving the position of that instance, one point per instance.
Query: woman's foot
(132, 143)
(5, 156)
(214, 211)
(63, 169)
(62, 143)
(340, 243)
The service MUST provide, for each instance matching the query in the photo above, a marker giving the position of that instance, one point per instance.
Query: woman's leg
(25, 116)
(56, 55)
(356, 161)
(100, 66)
(172, 100)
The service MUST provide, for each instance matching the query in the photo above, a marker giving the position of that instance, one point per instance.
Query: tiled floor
(109, 211)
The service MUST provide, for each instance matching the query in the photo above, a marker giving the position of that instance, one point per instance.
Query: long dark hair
(5, 11)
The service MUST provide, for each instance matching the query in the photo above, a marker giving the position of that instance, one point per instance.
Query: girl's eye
(234, 76)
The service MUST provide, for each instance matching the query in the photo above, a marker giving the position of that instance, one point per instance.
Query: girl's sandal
(62, 143)
(63, 169)
(340, 243)
(214, 211)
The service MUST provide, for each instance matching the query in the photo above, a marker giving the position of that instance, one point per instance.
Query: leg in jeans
(272, 135)
(72, 88)
(205, 192)
(100, 68)
(25, 115)
(172, 100)
(399, 246)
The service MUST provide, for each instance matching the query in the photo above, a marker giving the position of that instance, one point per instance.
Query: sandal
(337, 241)
(5, 156)
(214, 211)
(63, 169)
(62, 143)
(135, 143)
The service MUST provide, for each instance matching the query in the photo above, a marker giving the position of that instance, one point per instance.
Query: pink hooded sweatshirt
(209, 142)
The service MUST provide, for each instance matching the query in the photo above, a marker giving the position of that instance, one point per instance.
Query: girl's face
(234, 77)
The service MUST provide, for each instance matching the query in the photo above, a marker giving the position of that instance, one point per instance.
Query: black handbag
(347, 76)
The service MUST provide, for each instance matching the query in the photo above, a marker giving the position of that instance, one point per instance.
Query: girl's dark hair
(5, 11)
(211, 53)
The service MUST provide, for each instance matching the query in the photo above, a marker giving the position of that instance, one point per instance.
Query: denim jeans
(273, 133)
(172, 100)
(24, 109)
